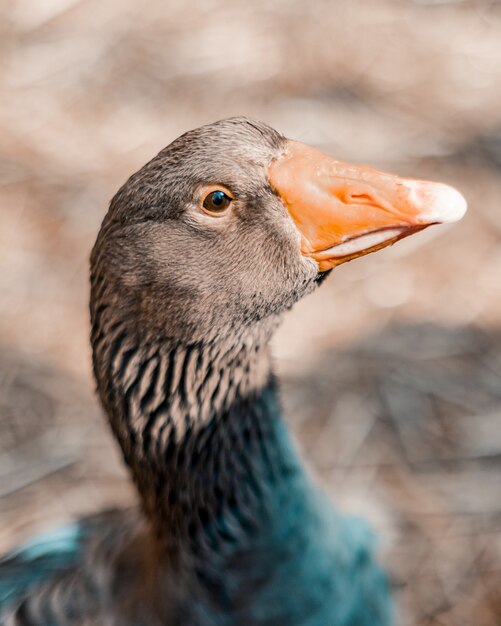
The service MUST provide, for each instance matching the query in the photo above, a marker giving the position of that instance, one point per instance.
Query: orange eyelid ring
(344, 211)
(204, 197)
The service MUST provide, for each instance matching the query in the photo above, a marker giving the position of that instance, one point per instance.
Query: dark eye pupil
(218, 198)
(216, 201)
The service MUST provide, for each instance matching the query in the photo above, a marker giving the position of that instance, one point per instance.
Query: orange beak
(344, 211)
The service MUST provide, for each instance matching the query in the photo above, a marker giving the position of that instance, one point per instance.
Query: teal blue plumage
(304, 564)
(38, 560)
(321, 564)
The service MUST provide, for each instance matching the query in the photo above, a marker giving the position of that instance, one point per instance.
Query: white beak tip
(448, 204)
(440, 203)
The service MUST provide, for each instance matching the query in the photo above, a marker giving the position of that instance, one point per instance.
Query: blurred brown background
(391, 371)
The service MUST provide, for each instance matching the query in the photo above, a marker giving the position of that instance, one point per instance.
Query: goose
(201, 253)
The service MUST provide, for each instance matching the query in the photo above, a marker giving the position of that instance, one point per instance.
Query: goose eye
(216, 201)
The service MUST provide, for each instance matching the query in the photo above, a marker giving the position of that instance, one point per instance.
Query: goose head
(232, 223)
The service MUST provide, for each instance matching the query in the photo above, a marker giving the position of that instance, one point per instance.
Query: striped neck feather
(240, 528)
(200, 428)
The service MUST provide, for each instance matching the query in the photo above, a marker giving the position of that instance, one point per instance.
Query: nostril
(359, 198)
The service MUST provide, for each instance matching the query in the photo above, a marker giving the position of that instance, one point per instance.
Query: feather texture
(300, 563)
(40, 559)
(231, 532)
